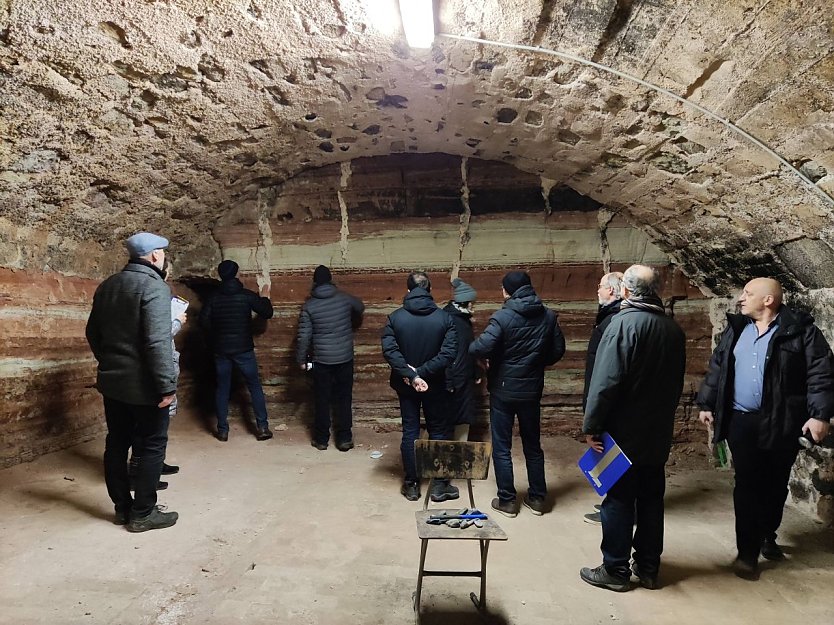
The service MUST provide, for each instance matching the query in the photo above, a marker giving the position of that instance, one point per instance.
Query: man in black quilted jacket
(521, 339)
(419, 342)
(325, 348)
(227, 319)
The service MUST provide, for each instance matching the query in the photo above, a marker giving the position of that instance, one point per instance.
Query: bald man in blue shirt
(770, 379)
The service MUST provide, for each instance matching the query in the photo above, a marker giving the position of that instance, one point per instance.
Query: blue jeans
(248, 367)
(435, 407)
(501, 417)
(638, 492)
(145, 428)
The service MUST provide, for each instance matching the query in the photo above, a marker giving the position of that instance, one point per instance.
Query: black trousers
(761, 486)
(146, 429)
(333, 385)
(463, 403)
(638, 492)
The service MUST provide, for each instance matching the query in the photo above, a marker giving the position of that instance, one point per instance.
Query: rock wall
(46, 370)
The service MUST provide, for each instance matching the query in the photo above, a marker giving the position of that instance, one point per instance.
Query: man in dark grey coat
(770, 379)
(462, 374)
(634, 393)
(521, 339)
(129, 333)
(325, 348)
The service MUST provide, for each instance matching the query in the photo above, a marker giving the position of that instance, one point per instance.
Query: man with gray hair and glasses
(633, 395)
(609, 297)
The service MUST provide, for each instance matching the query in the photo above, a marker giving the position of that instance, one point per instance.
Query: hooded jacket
(421, 335)
(462, 371)
(227, 317)
(326, 325)
(604, 315)
(129, 333)
(637, 383)
(798, 379)
(521, 339)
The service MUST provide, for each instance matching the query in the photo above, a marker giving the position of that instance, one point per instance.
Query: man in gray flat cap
(129, 332)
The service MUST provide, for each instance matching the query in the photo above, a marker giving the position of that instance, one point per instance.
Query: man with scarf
(520, 340)
(770, 379)
(634, 392)
(129, 333)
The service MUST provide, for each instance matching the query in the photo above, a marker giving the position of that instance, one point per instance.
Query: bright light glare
(383, 16)
(418, 22)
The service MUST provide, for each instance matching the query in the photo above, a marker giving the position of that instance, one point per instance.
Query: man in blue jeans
(521, 339)
(419, 342)
(227, 318)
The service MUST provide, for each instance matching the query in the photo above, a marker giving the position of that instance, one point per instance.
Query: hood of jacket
(233, 285)
(323, 291)
(525, 302)
(419, 302)
(454, 311)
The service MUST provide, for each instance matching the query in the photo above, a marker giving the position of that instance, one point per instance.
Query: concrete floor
(278, 532)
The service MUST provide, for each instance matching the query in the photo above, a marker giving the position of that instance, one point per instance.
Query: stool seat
(490, 530)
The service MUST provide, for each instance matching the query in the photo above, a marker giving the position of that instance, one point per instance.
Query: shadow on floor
(461, 617)
(95, 509)
(672, 573)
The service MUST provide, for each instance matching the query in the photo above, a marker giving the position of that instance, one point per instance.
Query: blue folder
(603, 469)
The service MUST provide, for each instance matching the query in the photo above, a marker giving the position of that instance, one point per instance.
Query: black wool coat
(798, 379)
(637, 383)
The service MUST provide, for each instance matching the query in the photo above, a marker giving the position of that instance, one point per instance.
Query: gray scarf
(651, 303)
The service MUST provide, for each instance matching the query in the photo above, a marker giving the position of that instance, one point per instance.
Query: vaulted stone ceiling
(170, 115)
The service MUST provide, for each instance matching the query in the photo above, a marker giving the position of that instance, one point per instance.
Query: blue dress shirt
(751, 357)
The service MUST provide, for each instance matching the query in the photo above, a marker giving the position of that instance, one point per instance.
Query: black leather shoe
(746, 569)
(772, 551)
(442, 491)
(345, 445)
(264, 434)
(169, 469)
(319, 446)
(154, 521)
(121, 518)
(600, 578)
(410, 490)
(646, 581)
(222, 436)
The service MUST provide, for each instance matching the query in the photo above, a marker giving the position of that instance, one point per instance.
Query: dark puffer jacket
(129, 332)
(521, 339)
(798, 379)
(326, 324)
(603, 319)
(637, 384)
(463, 370)
(421, 335)
(227, 317)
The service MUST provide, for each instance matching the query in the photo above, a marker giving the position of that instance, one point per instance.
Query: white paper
(178, 306)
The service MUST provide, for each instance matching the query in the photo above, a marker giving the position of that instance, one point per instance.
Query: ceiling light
(418, 22)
